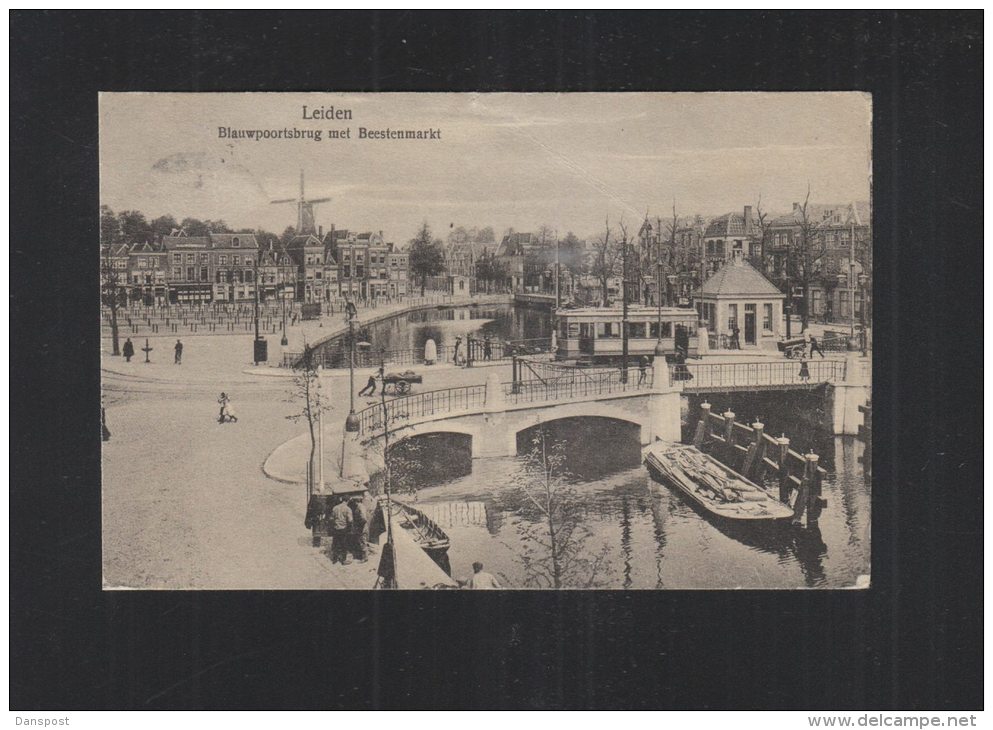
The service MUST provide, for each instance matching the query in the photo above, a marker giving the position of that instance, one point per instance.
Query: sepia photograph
(510, 341)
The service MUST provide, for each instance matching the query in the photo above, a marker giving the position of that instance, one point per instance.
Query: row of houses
(230, 267)
(701, 248)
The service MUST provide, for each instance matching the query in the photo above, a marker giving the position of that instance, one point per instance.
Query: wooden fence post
(814, 501)
(755, 451)
(784, 469)
(702, 425)
(806, 499)
(729, 438)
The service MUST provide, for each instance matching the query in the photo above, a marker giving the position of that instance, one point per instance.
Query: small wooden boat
(711, 485)
(426, 533)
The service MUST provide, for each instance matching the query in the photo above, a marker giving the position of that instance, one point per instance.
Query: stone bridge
(493, 415)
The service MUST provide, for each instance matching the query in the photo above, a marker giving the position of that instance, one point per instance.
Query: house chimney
(748, 220)
(320, 232)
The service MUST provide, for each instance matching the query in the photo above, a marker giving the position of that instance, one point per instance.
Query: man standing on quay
(341, 532)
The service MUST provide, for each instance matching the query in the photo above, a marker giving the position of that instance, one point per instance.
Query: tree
(164, 225)
(134, 227)
(485, 235)
(426, 256)
(556, 550)
(288, 234)
(806, 251)
(110, 284)
(761, 218)
(307, 391)
(571, 253)
(607, 255)
(110, 226)
(194, 227)
(218, 226)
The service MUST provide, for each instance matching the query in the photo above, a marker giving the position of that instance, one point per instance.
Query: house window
(190, 273)
(767, 318)
(222, 259)
(359, 271)
(236, 260)
(177, 258)
(203, 274)
(177, 272)
(191, 258)
(732, 316)
(204, 258)
(236, 242)
(346, 271)
(249, 275)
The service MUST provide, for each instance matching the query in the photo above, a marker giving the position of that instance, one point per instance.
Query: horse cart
(399, 383)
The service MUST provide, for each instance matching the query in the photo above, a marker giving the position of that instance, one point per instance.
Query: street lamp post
(659, 349)
(352, 420)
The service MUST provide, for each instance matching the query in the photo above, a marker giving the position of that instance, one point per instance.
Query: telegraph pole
(851, 275)
(659, 349)
(624, 311)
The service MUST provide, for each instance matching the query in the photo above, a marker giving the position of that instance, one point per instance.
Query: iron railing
(420, 405)
(579, 384)
(759, 374)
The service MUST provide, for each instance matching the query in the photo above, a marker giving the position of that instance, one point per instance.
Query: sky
(569, 161)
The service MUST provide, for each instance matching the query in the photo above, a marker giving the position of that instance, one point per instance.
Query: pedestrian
(481, 580)
(455, 353)
(369, 386)
(804, 370)
(179, 353)
(430, 352)
(735, 341)
(128, 349)
(487, 348)
(360, 525)
(223, 401)
(293, 319)
(642, 369)
(814, 347)
(341, 532)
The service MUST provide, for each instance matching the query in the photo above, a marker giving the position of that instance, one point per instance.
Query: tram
(593, 334)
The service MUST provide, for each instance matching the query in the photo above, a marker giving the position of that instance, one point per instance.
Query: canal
(617, 527)
(411, 331)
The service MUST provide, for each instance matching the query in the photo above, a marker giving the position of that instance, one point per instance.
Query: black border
(912, 642)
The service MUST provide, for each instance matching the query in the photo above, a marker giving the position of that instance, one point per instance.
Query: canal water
(624, 530)
(410, 332)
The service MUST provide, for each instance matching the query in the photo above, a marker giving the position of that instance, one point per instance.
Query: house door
(749, 328)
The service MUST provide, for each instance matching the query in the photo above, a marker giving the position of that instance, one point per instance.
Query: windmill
(305, 210)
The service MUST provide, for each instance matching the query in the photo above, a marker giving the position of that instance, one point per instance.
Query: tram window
(608, 329)
(573, 330)
(636, 330)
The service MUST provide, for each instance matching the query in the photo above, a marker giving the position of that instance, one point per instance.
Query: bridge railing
(421, 405)
(579, 385)
(759, 374)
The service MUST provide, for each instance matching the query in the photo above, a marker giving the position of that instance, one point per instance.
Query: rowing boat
(711, 485)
